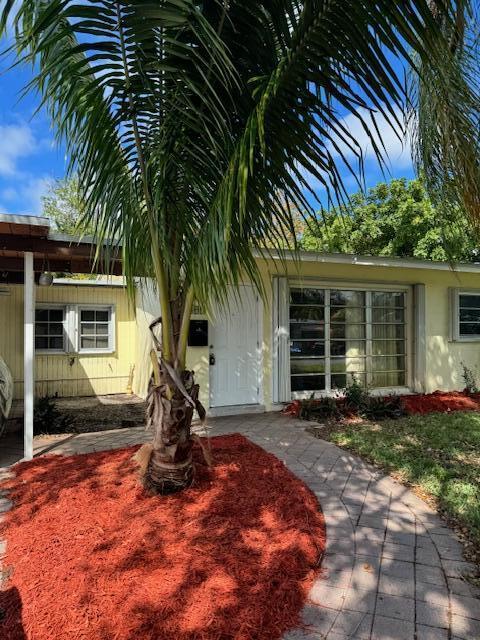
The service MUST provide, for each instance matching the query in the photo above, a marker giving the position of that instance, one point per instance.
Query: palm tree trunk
(169, 414)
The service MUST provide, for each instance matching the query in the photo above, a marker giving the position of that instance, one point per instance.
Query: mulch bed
(441, 401)
(436, 402)
(96, 558)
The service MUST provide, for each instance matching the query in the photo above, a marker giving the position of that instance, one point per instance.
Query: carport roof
(53, 251)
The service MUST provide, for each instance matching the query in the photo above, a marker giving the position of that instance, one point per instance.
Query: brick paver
(392, 570)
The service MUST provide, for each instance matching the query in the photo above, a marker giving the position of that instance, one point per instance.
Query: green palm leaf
(192, 125)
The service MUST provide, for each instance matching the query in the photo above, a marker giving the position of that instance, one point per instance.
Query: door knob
(211, 359)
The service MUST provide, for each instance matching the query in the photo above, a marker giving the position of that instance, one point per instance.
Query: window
(337, 335)
(95, 329)
(307, 339)
(72, 329)
(388, 365)
(466, 320)
(50, 329)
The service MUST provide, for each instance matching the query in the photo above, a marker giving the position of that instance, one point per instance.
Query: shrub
(319, 409)
(356, 401)
(469, 378)
(47, 418)
(356, 396)
(381, 408)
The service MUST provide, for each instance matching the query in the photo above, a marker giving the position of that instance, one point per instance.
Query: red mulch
(96, 558)
(436, 402)
(441, 401)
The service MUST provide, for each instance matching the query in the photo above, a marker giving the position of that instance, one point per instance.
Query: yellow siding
(148, 308)
(108, 373)
(443, 356)
(70, 374)
(197, 360)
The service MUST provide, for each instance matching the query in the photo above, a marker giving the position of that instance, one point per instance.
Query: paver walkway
(392, 570)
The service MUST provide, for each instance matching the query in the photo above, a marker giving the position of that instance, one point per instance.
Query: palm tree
(195, 127)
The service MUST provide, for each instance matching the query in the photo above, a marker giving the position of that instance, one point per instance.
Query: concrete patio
(86, 414)
(392, 569)
(12, 449)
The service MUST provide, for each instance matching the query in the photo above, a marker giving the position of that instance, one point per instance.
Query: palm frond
(445, 118)
(192, 126)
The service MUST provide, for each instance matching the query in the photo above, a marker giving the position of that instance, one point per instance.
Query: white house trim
(111, 329)
(280, 341)
(280, 347)
(455, 334)
(71, 333)
(58, 282)
(28, 354)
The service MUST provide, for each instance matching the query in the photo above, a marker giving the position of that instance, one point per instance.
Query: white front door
(234, 351)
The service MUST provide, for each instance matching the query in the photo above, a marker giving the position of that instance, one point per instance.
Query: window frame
(47, 306)
(456, 336)
(111, 329)
(367, 288)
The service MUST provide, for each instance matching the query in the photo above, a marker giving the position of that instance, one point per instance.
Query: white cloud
(22, 183)
(16, 141)
(26, 196)
(396, 146)
(32, 192)
(10, 32)
(396, 152)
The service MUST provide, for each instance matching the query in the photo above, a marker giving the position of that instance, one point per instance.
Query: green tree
(64, 206)
(192, 125)
(392, 219)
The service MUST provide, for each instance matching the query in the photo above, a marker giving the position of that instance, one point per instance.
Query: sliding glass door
(340, 334)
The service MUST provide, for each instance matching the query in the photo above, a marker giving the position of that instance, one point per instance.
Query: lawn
(439, 454)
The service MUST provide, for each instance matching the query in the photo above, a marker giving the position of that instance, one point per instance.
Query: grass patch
(438, 453)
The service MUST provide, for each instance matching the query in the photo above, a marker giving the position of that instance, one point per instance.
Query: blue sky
(30, 159)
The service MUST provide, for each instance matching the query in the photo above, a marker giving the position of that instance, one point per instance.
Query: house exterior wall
(443, 356)
(76, 374)
(70, 374)
(439, 358)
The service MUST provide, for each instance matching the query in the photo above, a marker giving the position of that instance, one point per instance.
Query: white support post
(28, 353)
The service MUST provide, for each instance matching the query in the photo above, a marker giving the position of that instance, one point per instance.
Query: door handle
(211, 359)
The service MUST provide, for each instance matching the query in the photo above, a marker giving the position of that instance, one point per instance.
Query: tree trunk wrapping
(169, 415)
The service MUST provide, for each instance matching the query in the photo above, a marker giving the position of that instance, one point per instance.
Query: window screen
(469, 315)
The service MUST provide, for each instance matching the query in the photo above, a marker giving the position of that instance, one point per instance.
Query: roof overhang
(367, 261)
